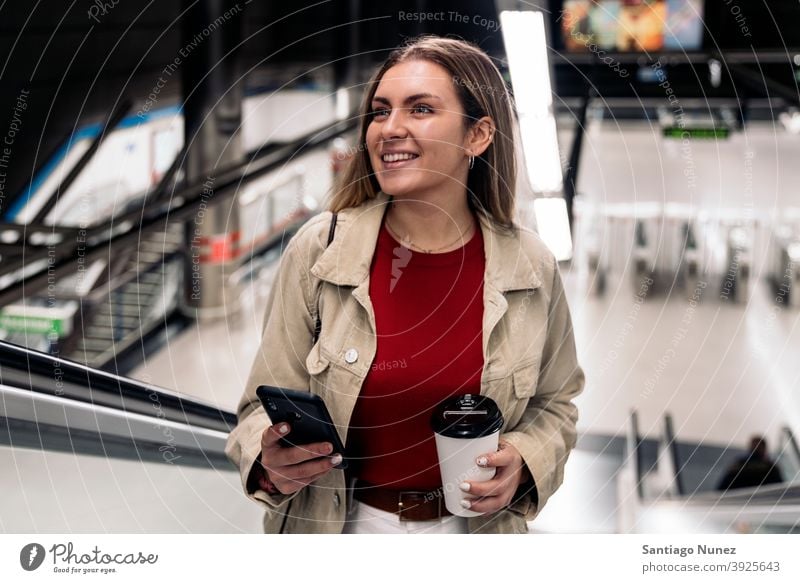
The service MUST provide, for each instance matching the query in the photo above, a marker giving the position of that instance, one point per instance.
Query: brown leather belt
(407, 504)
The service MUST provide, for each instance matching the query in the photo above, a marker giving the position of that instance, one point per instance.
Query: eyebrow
(408, 99)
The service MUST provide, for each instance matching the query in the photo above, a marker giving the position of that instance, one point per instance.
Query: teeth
(398, 157)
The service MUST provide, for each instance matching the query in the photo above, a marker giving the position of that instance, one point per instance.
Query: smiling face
(417, 139)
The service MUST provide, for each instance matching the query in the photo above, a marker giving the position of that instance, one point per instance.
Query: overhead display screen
(632, 25)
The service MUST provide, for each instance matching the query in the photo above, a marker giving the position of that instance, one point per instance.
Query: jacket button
(351, 356)
(336, 499)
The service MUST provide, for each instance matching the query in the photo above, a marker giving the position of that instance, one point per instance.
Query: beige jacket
(530, 365)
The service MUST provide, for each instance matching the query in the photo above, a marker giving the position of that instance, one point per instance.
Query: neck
(433, 222)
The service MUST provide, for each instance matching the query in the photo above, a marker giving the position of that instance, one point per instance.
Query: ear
(479, 136)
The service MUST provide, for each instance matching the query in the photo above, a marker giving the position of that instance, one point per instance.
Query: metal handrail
(43, 264)
(634, 451)
(792, 441)
(67, 406)
(672, 444)
(37, 372)
(123, 408)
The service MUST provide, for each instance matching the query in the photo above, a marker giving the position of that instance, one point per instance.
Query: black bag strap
(331, 231)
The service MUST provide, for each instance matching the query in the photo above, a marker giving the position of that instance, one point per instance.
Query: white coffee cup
(465, 428)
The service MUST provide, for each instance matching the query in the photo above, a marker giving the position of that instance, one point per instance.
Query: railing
(767, 508)
(59, 403)
(53, 395)
(98, 343)
(630, 488)
(54, 256)
(788, 456)
(634, 452)
(671, 444)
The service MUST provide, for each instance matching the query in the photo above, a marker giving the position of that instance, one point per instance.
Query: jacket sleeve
(547, 433)
(280, 361)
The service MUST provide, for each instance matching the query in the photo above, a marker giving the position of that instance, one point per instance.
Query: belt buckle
(402, 506)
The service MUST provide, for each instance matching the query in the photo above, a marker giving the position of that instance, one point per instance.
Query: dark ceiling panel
(127, 45)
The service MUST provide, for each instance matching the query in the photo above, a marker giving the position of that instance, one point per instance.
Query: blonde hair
(481, 91)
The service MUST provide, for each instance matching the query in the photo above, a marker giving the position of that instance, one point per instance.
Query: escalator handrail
(35, 370)
(41, 372)
(766, 494)
(792, 441)
(634, 454)
(227, 181)
(130, 226)
(112, 390)
(51, 423)
(672, 444)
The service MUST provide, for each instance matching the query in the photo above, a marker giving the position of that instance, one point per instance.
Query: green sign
(696, 133)
(32, 324)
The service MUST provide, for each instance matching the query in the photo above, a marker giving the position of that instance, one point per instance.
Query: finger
(479, 489)
(501, 457)
(292, 486)
(308, 469)
(315, 477)
(298, 454)
(488, 504)
(273, 433)
(494, 487)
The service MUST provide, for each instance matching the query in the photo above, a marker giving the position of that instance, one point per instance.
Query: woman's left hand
(497, 493)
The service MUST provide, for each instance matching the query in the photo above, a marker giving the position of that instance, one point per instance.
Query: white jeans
(365, 519)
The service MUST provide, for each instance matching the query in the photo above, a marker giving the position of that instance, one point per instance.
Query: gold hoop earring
(471, 162)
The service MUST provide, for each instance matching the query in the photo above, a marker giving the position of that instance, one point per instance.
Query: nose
(393, 127)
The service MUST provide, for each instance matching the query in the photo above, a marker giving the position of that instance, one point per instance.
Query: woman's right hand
(293, 468)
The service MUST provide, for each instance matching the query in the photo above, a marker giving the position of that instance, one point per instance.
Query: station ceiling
(77, 59)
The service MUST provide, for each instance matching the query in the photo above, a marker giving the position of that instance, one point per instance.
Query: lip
(399, 163)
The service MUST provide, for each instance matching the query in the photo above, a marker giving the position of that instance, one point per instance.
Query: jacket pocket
(526, 378)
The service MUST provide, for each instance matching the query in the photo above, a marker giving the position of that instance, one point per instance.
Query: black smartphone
(307, 415)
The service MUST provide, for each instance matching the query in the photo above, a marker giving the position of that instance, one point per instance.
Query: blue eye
(378, 112)
(418, 109)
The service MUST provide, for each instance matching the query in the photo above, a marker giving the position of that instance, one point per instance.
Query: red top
(429, 319)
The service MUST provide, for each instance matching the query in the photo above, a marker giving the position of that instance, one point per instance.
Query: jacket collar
(348, 259)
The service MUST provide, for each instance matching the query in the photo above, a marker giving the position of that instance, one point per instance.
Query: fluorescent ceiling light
(342, 99)
(526, 49)
(553, 226)
(790, 121)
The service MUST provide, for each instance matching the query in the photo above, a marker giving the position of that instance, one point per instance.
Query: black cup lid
(466, 417)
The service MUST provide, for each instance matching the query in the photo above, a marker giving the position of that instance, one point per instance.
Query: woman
(427, 290)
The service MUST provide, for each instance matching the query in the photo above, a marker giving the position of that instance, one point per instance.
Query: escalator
(676, 490)
(146, 289)
(89, 451)
(92, 450)
(58, 399)
(95, 295)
